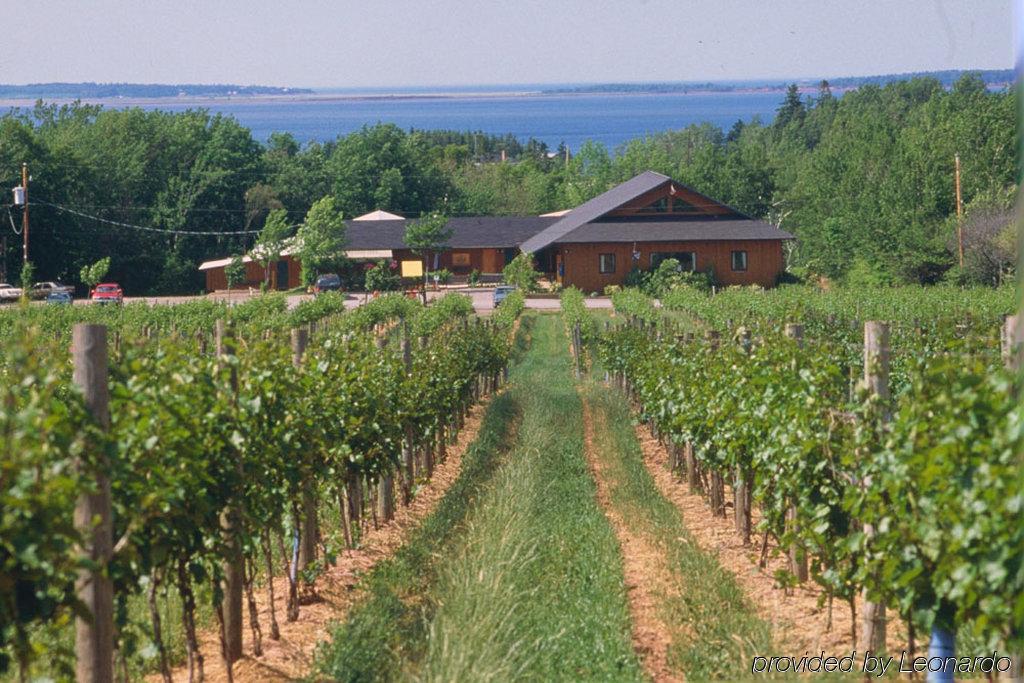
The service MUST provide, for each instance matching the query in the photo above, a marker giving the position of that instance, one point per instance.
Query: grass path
(518, 573)
(691, 617)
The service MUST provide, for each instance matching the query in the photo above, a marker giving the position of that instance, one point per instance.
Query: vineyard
(884, 456)
(162, 465)
(197, 460)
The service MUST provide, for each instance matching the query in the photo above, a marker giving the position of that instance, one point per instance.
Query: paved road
(482, 299)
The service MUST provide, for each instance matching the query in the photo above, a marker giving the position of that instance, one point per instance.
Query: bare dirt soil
(290, 658)
(647, 574)
(799, 616)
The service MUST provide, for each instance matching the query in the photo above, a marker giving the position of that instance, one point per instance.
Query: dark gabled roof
(585, 224)
(595, 208)
(675, 230)
(471, 232)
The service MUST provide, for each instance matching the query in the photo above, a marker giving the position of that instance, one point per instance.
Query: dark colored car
(327, 283)
(501, 292)
(58, 298)
(41, 290)
(107, 293)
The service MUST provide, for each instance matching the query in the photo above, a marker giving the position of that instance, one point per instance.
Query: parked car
(107, 293)
(9, 292)
(329, 282)
(58, 298)
(42, 290)
(501, 292)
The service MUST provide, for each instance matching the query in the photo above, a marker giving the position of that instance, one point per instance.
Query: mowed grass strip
(516, 575)
(534, 589)
(386, 627)
(714, 630)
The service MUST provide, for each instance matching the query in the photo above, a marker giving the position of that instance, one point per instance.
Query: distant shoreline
(21, 102)
(151, 95)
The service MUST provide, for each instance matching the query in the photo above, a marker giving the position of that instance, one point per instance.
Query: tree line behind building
(865, 181)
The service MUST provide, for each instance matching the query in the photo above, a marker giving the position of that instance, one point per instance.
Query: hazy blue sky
(430, 42)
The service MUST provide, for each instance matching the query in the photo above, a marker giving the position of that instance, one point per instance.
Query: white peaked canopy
(379, 215)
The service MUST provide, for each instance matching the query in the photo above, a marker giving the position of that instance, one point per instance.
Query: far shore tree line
(865, 181)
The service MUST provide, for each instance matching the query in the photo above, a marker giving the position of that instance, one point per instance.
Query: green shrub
(520, 273)
(383, 277)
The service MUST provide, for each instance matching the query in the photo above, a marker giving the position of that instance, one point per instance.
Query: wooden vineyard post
(876, 377)
(577, 350)
(308, 526)
(1013, 358)
(386, 486)
(94, 636)
(1013, 342)
(742, 485)
(717, 492)
(201, 342)
(797, 556)
(408, 461)
(234, 562)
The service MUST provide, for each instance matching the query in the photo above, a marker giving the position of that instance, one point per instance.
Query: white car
(9, 292)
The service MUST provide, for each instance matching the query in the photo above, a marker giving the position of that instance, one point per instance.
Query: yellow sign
(412, 269)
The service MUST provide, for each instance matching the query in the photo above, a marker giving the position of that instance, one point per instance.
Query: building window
(739, 260)
(606, 263)
(460, 258)
(687, 259)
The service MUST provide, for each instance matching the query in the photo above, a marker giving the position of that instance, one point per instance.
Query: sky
(340, 43)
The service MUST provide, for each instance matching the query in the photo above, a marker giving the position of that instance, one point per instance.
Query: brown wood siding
(704, 205)
(217, 279)
(479, 259)
(764, 261)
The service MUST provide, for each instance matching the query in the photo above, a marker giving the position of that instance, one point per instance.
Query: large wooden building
(633, 225)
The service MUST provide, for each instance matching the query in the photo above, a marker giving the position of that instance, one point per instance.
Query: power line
(163, 231)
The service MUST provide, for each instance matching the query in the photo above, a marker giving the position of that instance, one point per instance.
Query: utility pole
(24, 215)
(959, 212)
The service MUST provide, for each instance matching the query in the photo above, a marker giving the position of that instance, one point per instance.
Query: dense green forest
(866, 181)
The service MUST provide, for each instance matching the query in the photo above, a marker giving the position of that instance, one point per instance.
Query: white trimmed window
(606, 263)
(739, 261)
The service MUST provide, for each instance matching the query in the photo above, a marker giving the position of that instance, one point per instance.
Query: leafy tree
(260, 200)
(271, 241)
(990, 242)
(383, 165)
(792, 109)
(427, 237)
(520, 273)
(94, 274)
(235, 272)
(27, 277)
(321, 240)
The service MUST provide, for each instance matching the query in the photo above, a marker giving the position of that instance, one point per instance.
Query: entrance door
(282, 275)
(559, 267)
(490, 261)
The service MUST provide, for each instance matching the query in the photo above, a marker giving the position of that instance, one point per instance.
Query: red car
(107, 293)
